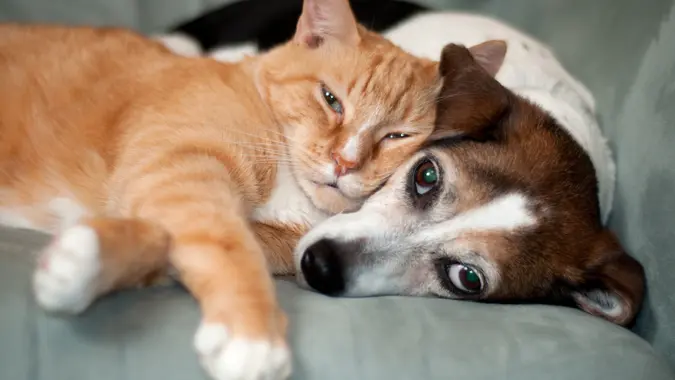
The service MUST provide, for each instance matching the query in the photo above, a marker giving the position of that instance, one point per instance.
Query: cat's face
(352, 114)
(353, 106)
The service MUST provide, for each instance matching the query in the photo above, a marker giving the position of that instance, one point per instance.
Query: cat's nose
(342, 165)
(322, 268)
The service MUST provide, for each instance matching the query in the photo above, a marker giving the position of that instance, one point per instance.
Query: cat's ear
(489, 55)
(471, 101)
(326, 19)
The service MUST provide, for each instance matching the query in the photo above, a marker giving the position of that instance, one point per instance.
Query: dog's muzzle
(322, 268)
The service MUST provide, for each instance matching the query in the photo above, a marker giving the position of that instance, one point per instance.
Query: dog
(504, 210)
(508, 207)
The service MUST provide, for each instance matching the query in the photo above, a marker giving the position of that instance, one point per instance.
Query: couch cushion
(148, 335)
(621, 49)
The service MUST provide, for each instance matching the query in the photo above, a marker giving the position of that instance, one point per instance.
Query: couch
(622, 49)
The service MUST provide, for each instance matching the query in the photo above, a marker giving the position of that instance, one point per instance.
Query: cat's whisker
(255, 143)
(313, 166)
(281, 141)
(273, 143)
(269, 158)
(269, 155)
(261, 153)
(299, 144)
(261, 146)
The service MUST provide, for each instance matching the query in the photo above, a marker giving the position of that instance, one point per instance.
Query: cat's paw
(228, 357)
(65, 278)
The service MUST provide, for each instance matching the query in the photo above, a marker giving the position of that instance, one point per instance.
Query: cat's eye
(332, 100)
(425, 178)
(464, 278)
(396, 135)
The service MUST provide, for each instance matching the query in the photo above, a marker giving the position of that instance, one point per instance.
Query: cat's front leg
(220, 261)
(278, 241)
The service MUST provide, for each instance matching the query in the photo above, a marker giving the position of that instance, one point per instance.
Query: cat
(143, 162)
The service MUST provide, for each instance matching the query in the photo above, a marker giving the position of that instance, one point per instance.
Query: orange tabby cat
(140, 161)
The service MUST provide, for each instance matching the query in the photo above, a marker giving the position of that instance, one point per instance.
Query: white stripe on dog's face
(507, 212)
(391, 246)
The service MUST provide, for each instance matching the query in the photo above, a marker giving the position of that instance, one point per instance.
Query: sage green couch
(623, 49)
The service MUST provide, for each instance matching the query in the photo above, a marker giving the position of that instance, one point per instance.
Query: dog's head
(500, 206)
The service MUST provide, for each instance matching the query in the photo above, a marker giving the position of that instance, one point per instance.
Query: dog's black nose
(322, 268)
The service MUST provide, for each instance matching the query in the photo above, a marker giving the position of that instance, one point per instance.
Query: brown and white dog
(505, 209)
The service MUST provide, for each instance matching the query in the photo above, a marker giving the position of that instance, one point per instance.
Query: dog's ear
(489, 55)
(614, 282)
(471, 101)
(326, 19)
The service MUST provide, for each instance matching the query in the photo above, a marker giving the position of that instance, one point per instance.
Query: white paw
(66, 275)
(230, 358)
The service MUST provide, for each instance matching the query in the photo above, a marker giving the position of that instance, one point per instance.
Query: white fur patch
(288, 203)
(65, 279)
(507, 212)
(67, 211)
(225, 357)
(375, 280)
(180, 44)
(350, 151)
(327, 171)
(233, 53)
(601, 302)
(63, 213)
(14, 219)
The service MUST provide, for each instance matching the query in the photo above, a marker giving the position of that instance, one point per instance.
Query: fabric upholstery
(621, 49)
(139, 335)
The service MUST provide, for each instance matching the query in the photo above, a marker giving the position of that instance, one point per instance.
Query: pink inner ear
(490, 55)
(313, 41)
(326, 18)
(602, 304)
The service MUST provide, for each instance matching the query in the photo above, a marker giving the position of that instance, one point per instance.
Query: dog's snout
(322, 268)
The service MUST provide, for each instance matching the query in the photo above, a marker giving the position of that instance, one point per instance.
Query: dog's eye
(465, 278)
(426, 177)
(332, 100)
